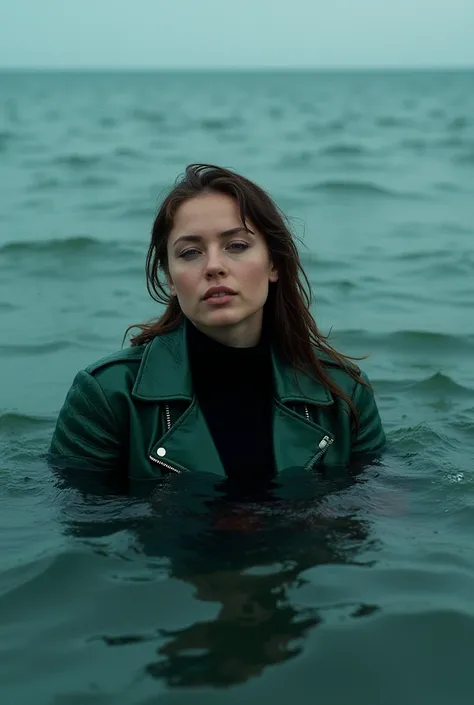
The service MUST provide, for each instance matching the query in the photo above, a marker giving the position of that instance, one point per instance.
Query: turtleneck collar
(207, 345)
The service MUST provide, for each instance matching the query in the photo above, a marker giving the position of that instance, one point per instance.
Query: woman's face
(209, 247)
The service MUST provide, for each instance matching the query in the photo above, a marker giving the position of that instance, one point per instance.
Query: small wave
(313, 260)
(407, 341)
(95, 181)
(449, 187)
(129, 271)
(411, 439)
(343, 150)
(317, 128)
(81, 244)
(459, 123)
(79, 161)
(390, 121)
(9, 350)
(218, 124)
(420, 144)
(108, 122)
(275, 112)
(437, 113)
(433, 340)
(424, 256)
(453, 141)
(458, 265)
(345, 286)
(6, 307)
(442, 384)
(138, 212)
(73, 244)
(11, 422)
(6, 137)
(416, 143)
(36, 573)
(356, 188)
(108, 313)
(45, 183)
(102, 206)
(149, 116)
(129, 153)
(296, 160)
(456, 228)
(467, 158)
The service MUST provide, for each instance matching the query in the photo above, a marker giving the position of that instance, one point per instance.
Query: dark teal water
(333, 591)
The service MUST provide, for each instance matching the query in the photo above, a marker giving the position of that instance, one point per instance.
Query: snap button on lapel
(161, 452)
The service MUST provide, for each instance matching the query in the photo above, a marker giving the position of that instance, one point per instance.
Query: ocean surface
(342, 591)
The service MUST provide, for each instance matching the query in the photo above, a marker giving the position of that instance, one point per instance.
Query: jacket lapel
(164, 373)
(188, 445)
(297, 440)
(164, 377)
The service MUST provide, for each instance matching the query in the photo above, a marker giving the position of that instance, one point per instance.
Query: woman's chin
(221, 318)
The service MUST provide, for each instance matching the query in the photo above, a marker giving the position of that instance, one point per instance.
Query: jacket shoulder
(127, 356)
(340, 375)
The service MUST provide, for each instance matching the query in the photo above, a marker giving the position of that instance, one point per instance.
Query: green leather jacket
(135, 413)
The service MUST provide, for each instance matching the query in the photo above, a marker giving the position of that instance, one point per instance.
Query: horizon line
(191, 69)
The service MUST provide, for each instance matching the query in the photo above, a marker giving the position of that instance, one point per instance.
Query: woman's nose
(215, 263)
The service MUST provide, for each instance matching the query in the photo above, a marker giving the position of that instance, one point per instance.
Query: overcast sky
(236, 33)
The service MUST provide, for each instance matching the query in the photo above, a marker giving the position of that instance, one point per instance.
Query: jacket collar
(165, 375)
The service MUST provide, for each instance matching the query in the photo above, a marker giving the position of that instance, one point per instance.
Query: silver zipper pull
(325, 442)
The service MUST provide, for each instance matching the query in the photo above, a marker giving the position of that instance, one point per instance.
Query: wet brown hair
(287, 309)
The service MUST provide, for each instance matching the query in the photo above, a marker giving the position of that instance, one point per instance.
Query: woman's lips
(219, 300)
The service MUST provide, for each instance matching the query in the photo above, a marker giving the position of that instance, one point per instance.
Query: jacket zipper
(328, 440)
(165, 465)
(168, 417)
(168, 467)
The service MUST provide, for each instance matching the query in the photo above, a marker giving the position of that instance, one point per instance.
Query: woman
(234, 379)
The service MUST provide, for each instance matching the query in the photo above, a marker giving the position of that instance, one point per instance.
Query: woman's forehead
(207, 216)
(207, 208)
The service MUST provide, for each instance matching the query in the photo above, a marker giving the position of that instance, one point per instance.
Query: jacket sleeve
(370, 437)
(86, 434)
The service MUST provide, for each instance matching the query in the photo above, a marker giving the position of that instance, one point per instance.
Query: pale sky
(236, 33)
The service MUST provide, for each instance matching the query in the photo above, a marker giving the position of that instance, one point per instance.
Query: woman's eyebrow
(224, 233)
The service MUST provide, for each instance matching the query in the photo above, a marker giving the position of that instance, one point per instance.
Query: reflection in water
(256, 626)
(246, 553)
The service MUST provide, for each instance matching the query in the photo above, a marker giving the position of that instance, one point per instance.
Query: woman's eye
(186, 253)
(192, 252)
(239, 245)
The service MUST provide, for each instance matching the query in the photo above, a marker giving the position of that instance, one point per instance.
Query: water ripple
(363, 189)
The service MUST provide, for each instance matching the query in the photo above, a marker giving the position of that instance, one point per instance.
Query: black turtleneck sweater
(234, 387)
